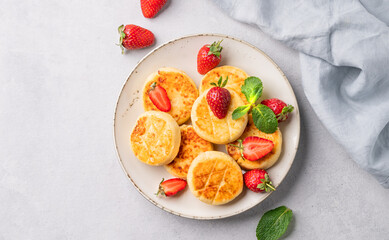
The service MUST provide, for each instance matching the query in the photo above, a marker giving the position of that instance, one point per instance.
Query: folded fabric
(344, 54)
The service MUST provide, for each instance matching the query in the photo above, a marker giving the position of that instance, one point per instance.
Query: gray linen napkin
(344, 54)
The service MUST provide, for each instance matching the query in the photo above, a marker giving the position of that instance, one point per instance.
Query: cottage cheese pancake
(215, 178)
(213, 129)
(180, 88)
(155, 139)
(191, 146)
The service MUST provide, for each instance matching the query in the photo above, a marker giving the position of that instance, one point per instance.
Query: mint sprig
(264, 118)
(274, 223)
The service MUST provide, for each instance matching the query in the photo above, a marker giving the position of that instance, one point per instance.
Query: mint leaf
(240, 111)
(264, 119)
(252, 89)
(274, 223)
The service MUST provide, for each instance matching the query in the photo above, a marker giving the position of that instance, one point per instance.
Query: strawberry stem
(215, 48)
(160, 189)
(266, 184)
(234, 145)
(270, 186)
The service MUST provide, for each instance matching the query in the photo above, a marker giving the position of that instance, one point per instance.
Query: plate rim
(121, 92)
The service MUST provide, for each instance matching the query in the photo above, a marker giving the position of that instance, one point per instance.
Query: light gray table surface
(60, 76)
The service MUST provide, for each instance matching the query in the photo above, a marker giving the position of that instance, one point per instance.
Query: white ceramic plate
(182, 53)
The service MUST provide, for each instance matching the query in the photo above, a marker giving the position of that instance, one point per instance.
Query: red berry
(134, 37)
(258, 180)
(158, 96)
(255, 148)
(209, 57)
(171, 186)
(150, 8)
(279, 107)
(219, 98)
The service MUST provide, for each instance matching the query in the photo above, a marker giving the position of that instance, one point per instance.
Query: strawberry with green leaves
(209, 57)
(279, 107)
(219, 98)
(258, 180)
(264, 118)
(134, 37)
(171, 187)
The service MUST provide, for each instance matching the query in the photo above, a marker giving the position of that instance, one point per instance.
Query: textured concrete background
(60, 76)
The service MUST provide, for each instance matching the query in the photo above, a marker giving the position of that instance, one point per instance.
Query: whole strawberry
(134, 37)
(209, 57)
(258, 180)
(219, 98)
(150, 8)
(280, 108)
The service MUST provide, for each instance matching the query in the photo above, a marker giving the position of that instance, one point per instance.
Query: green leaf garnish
(225, 82)
(274, 223)
(220, 81)
(240, 111)
(215, 48)
(264, 119)
(266, 184)
(284, 113)
(252, 89)
(122, 36)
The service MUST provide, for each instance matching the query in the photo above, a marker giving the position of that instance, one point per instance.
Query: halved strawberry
(158, 96)
(253, 147)
(171, 186)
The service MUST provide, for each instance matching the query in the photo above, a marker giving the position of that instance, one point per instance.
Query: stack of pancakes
(186, 151)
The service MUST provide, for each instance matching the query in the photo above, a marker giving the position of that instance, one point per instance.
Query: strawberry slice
(171, 186)
(158, 96)
(253, 147)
